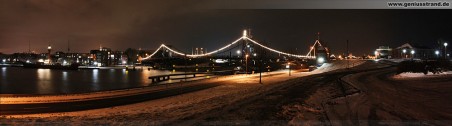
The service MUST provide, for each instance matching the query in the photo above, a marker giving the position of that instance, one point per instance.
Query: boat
(73, 66)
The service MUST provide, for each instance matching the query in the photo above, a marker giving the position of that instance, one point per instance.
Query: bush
(436, 67)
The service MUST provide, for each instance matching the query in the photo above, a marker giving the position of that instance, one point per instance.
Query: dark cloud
(86, 22)
(120, 24)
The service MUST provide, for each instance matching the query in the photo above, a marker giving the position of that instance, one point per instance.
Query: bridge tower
(321, 52)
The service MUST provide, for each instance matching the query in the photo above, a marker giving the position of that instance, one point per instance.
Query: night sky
(87, 24)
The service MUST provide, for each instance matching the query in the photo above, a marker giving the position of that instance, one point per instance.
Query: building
(383, 52)
(100, 57)
(409, 50)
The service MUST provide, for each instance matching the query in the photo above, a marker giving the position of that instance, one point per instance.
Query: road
(281, 106)
(374, 98)
(422, 101)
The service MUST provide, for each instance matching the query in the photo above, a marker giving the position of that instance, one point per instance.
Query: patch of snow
(397, 60)
(421, 75)
(338, 64)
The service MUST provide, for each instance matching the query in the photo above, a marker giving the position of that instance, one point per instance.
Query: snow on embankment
(407, 75)
(338, 64)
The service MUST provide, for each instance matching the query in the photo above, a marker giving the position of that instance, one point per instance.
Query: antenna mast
(68, 49)
(29, 50)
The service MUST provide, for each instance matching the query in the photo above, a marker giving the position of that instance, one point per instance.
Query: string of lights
(244, 37)
(312, 47)
(273, 50)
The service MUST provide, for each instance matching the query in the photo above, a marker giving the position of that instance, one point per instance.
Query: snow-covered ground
(405, 99)
(234, 88)
(340, 64)
(407, 75)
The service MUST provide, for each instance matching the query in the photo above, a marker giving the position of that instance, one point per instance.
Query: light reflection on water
(44, 75)
(3, 76)
(45, 81)
(95, 79)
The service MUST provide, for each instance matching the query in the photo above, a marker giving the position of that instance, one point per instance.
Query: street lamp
(412, 54)
(246, 64)
(445, 50)
(376, 54)
(437, 53)
(320, 60)
(49, 49)
(404, 51)
(288, 64)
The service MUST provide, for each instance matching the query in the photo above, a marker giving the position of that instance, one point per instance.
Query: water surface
(17, 80)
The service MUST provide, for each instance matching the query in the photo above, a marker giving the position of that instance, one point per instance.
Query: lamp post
(49, 48)
(185, 67)
(376, 54)
(288, 64)
(404, 52)
(445, 50)
(412, 54)
(437, 53)
(246, 64)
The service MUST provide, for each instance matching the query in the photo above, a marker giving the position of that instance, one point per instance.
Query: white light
(404, 50)
(238, 52)
(376, 53)
(445, 44)
(254, 54)
(49, 47)
(220, 61)
(320, 60)
(244, 33)
(287, 66)
(64, 62)
(4, 60)
(412, 52)
(248, 46)
(437, 52)
(28, 61)
(124, 62)
(95, 63)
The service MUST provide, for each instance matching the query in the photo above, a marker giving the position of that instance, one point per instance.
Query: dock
(160, 78)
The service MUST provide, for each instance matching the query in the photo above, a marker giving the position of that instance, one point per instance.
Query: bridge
(310, 55)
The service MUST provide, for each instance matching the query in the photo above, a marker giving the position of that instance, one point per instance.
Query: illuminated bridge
(310, 55)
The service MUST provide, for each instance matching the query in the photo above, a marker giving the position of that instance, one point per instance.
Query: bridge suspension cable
(244, 37)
